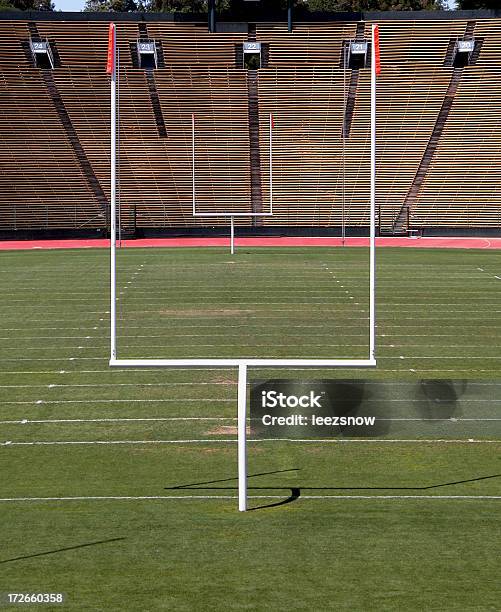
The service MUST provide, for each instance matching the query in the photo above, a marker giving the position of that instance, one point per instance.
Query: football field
(119, 487)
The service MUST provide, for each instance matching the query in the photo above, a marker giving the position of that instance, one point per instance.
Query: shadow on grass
(57, 550)
(198, 484)
(295, 492)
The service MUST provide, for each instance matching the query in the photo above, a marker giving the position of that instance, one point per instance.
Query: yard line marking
(118, 419)
(227, 400)
(438, 357)
(134, 419)
(234, 441)
(395, 496)
(138, 384)
(148, 372)
(110, 442)
(54, 359)
(112, 401)
(179, 346)
(107, 370)
(119, 497)
(224, 333)
(191, 497)
(450, 419)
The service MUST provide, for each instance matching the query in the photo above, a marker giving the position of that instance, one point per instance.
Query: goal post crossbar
(241, 363)
(233, 363)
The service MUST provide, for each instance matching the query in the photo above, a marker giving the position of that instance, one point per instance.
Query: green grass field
(118, 486)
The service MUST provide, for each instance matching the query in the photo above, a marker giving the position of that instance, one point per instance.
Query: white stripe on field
(227, 400)
(223, 328)
(121, 370)
(116, 420)
(450, 419)
(55, 358)
(109, 401)
(179, 497)
(152, 371)
(114, 384)
(385, 358)
(133, 419)
(234, 441)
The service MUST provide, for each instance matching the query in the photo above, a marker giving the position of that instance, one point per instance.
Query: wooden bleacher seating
(43, 185)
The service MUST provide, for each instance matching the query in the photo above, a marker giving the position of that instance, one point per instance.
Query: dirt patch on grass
(219, 450)
(224, 380)
(209, 312)
(314, 450)
(225, 430)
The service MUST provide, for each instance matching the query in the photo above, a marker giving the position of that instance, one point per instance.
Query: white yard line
(64, 359)
(234, 441)
(218, 497)
(114, 384)
(116, 420)
(113, 401)
(107, 371)
(451, 420)
(375, 400)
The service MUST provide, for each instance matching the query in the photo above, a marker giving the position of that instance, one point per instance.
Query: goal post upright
(372, 246)
(232, 235)
(112, 70)
(243, 364)
(242, 437)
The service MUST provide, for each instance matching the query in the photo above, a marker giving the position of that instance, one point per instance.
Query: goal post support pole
(271, 162)
(193, 162)
(242, 437)
(232, 235)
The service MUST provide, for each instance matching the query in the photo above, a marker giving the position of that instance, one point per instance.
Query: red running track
(279, 241)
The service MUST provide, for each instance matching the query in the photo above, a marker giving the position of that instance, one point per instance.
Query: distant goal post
(230, 214)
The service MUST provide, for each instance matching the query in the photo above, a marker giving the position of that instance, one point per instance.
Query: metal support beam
(290, 6)
(212, 15)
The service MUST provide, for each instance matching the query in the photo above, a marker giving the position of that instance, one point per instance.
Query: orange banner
(110, 65)
(376, 50)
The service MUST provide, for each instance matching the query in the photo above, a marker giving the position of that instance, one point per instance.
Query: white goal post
(244, 364)
(229, 214)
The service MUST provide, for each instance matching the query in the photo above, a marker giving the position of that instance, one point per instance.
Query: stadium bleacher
(438, 153)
